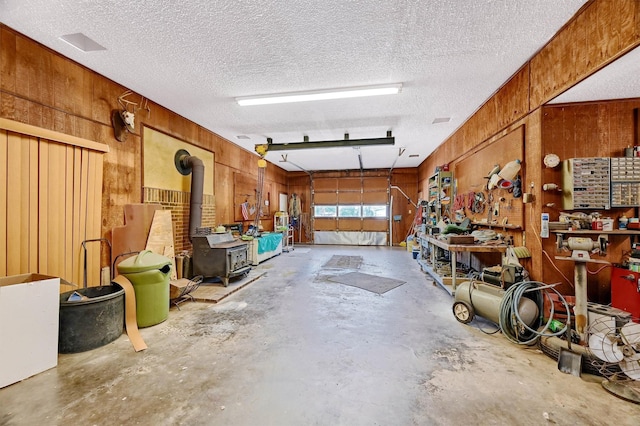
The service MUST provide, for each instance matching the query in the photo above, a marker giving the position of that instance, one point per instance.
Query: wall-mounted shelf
(440, 194)
(504, 226)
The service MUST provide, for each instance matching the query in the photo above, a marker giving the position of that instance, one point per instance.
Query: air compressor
(494, 303)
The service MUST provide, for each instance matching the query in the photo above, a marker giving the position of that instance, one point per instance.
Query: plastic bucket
(88, 324)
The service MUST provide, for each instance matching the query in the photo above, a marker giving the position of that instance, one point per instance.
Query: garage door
(350, 210)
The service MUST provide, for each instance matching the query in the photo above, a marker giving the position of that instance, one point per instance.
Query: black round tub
(93, 322)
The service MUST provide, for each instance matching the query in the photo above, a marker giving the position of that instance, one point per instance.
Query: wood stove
(219, 255)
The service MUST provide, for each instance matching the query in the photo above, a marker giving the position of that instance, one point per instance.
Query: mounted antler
(123, 120)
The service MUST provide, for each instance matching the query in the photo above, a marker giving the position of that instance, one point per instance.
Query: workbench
(449, 283)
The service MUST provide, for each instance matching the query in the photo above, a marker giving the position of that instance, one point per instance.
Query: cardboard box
(29, 310)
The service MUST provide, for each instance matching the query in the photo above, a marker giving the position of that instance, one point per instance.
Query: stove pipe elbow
(196, 166)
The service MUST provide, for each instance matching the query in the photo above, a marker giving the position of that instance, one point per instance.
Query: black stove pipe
(196, 166)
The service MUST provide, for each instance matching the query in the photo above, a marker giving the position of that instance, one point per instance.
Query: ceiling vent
(82, 42)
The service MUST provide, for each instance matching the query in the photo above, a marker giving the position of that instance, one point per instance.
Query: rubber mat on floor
(372, 283)
(344, 262)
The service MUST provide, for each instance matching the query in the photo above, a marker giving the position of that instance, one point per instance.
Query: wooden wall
(471, 172)
(601, 31)
(44, 89)
(407, 181)
(594, 129)
(299, 183)
(49, 203)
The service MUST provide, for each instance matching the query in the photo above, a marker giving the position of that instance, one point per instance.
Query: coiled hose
(513, 327)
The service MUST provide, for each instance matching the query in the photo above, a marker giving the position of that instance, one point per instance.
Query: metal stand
(288, 239)
(580, 280)
(185, 295)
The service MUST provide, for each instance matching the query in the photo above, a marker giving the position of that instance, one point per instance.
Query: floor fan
(616, 347)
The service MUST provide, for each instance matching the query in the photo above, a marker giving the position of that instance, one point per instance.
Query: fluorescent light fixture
(321, 95)
(82, 42)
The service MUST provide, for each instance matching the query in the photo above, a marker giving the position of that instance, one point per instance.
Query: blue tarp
(268, 242)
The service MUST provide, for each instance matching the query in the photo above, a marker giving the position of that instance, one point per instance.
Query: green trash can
(149, 275)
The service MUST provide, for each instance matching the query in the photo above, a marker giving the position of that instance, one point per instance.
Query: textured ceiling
(194, 57)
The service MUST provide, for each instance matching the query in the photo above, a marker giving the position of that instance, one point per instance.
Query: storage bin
(149, 275)
(93, 322)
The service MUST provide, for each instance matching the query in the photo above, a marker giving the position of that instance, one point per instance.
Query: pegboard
(471, 177)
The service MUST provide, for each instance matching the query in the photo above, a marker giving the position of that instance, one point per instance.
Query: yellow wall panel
(158, 163)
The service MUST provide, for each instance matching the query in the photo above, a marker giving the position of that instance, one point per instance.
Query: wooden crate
(460, 239)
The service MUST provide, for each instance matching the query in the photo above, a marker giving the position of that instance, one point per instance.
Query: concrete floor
(294, 349)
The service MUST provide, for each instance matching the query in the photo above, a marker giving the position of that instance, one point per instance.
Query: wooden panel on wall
(601, 32)
(56, 93)
(15, 247)
(245, 190)
(592, 129)
(45, 221)
(471, 172)
(512, 100)
(405, 180)
(589, 130)
(225, 211)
